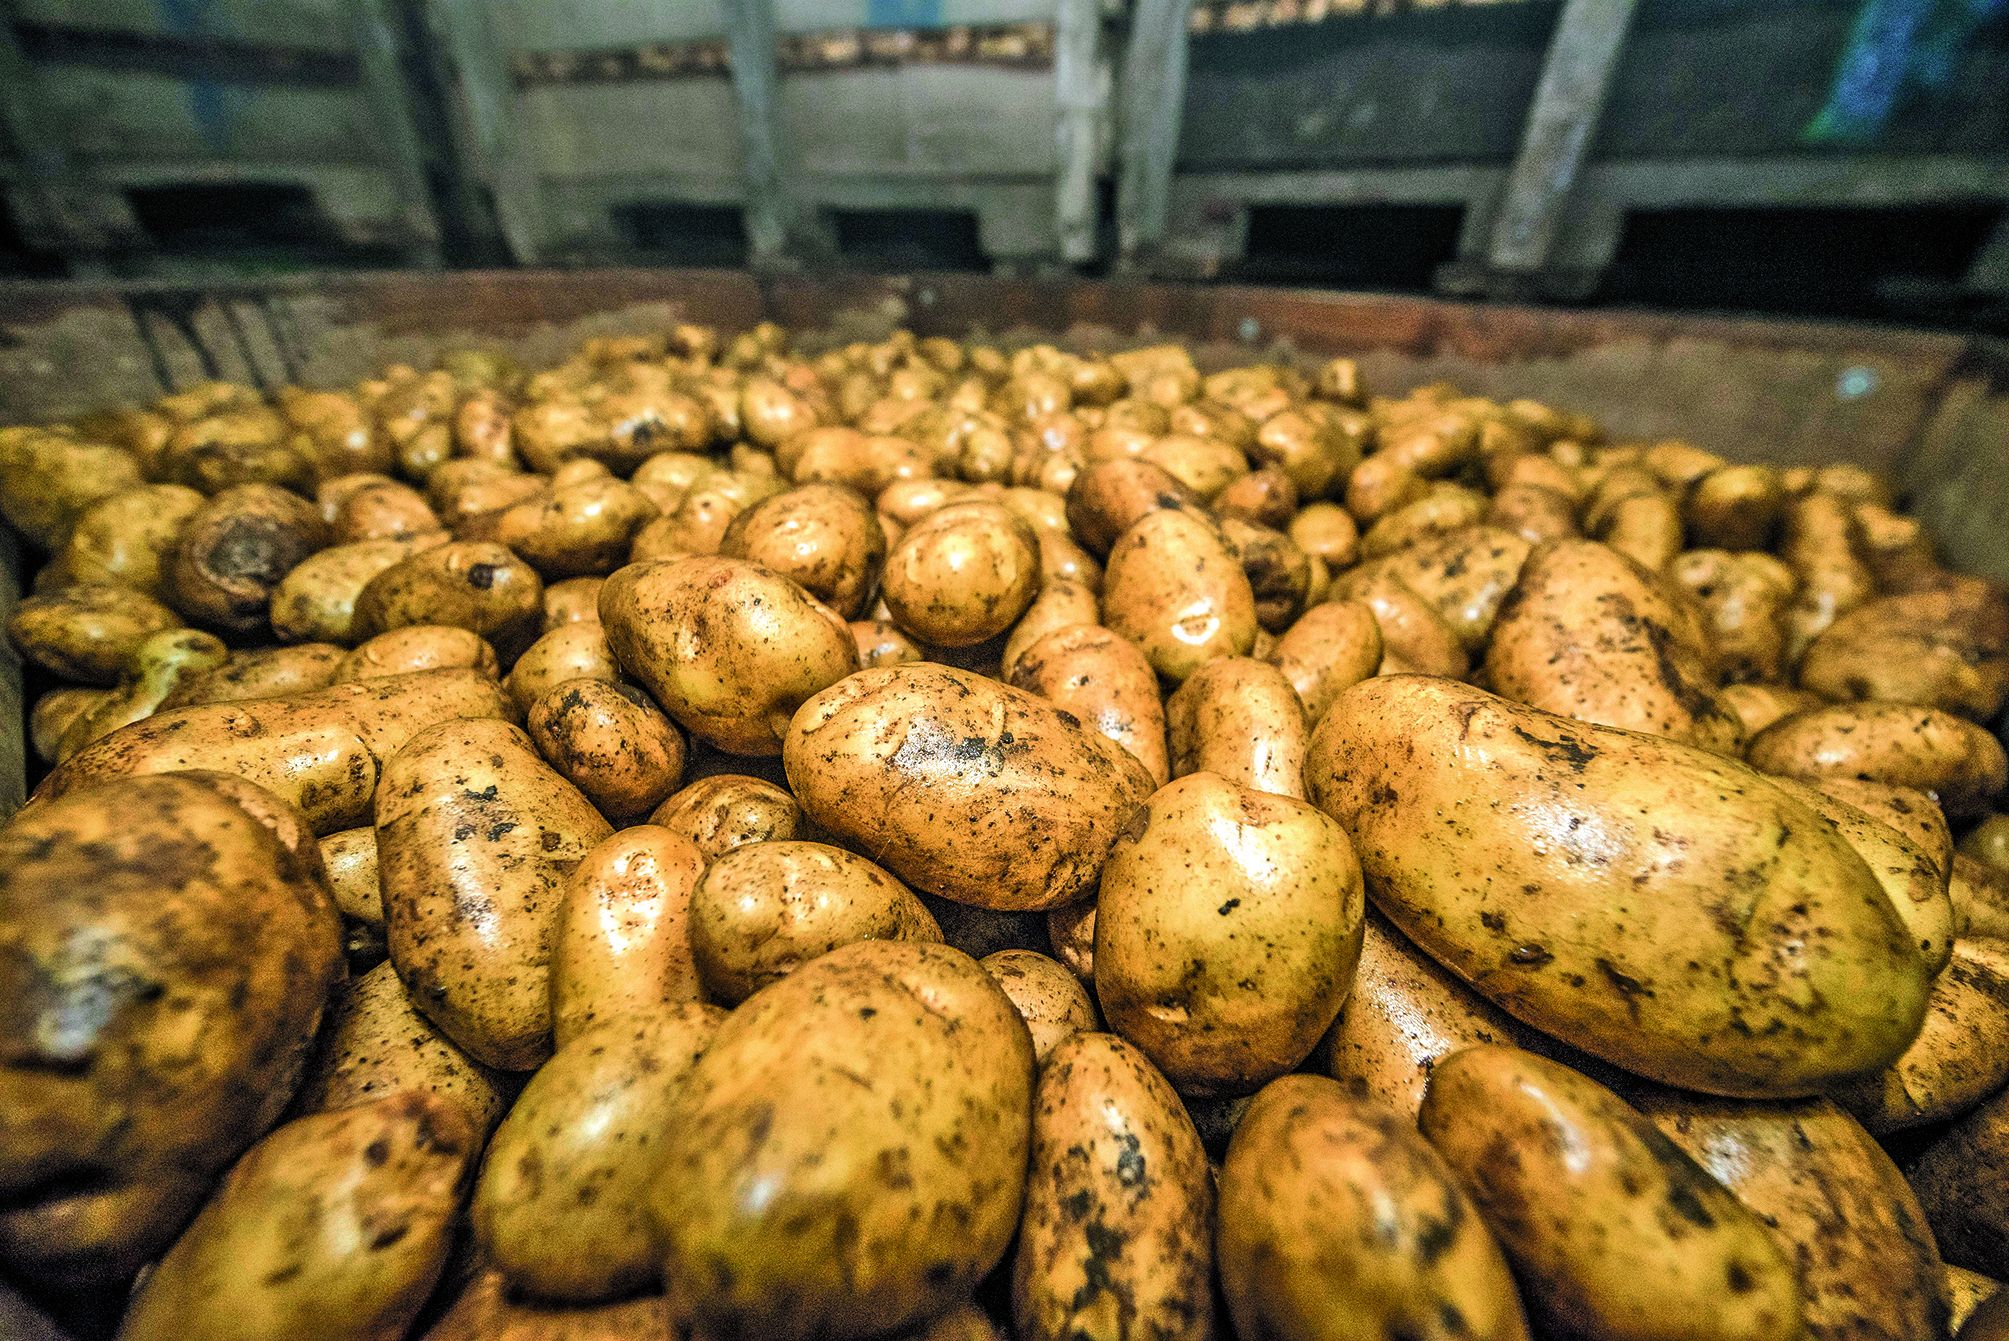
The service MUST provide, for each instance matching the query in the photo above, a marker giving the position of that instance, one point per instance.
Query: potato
(824, 537)
(336, 1225)
(576, 600)
(1744, 598)
(380, 510)
(1534, 512)
(1988, 842)
(1968, 1290)
(160, 665)
(1958, 1059)
(1326, 531)
(622, 945)
(1819, 543)
(1735, 507)
(1118, 1232)
(580, 528)
(610, 742)
(487, 1310)
(1980, 897)
(1914, 884)
(1328, 648)
(87, 632)
(1337, 1220)
(1111, 496)
(1414, 636)
(234, 551)
(1226, 933)
(961, 786)
(1241, 719)
(729, 810)
(1051, 999)
(128, 538)
(1104, 681)
(574, 651)
(1943, 649)
(891, 1198)
(729, 649)
(164, 956)
(1317, 451)
(1612, 1230)
(1175, 588)
(376, 1043)
(476, 837)
(1442, 508)
(881, 643)
(248, 444)
(1061, 603)
(50, 477)
(268, 672)
(1906, 809)
(1758, 956)
(1465, 573)
(560, 1206)
(473, 585)
(319, 751)
(1833, 1200)
(1267, 497)
(1280, 574)
(867, 463)
(1757, 706)
(962, 574)
(418, 647)
(316, 601)
(1589, 634)
(349, 859)
(1960, 1180)
(55, 713)
(1954, 760)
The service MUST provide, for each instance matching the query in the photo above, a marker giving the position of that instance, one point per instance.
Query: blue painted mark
(903, 13)
(1895, 47)
(211, 105)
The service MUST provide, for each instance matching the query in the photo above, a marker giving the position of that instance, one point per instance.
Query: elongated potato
(128, 538)
(1906, 809)
(560, 1207)
(336, 1225)
(1049, 997)
(1612, 1230)
(610, 742)
(622, 948)
(1175, 589)
(964, 787)
(1337, 1220)
(1241, 719)
(267, 672)
(1959, 1058)
(1118, 1232)
(475, 838)
(891, 1198)
(1747, 949)
(1954, 760)
(1105, 681)
(1947, 649)
(1836, 1204)
(1906, 873)
(1226, 933)
(1414, 637)
(88, 632)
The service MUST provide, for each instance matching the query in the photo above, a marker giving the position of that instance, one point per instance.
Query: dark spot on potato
(481, 576)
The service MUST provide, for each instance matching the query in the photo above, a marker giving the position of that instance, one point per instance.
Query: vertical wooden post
(492, 156)
(777, 229)
(380, 53)
(1151, 103)
(1078, 99)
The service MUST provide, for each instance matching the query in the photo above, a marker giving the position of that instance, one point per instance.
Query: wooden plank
(1569, 99)
(1151, 104)
(380, 51)
(777, 230)
(490, 149)
(1080, 98)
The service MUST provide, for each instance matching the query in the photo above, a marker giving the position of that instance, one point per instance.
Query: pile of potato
(735, 841)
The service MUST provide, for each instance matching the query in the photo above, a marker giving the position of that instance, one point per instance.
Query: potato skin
(1933, 751)
(1916, 889)
(1947, 649)
(892, 1198)
(574, 651)
(1051, 1000)
(128, 538)
(1105, 681)
(1761, 957)
(965, 788)
(474, 585)
(1175, 589)
(1226, 933)
(1959, 1058)
(730, 810)
(1960, 1180)
(87, 632)
(265, 672)
(1240, 718)
(1117, 1236)
(762, 911)
(487, 1310)
(1337, 1220)
(1612, 1230)
(560, 1204)
(824, 537)
(1060, 604)
(316, 600)
(476, 836)
(729, 649)
(336, 1225)
(1326, 649)
(963, 573)
(234, 551)
(418, 647)
(1466, 574)
(610, 742)
(164, 958)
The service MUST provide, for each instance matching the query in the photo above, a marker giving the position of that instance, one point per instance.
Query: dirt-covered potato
(379, 510)
(1906, 809)
(1226, 932)
(160, 665)
(610, 742)
(891, 1198)
(1915, 884)
(1112, 495)
(1061, 604)
(1466, 573)
(1743, 598)
(1612, 1230)
(1241, 719)
(1757, 706)
(729, 649)
(1819, 543)
(1052, 1001)
(476, 837)
(762, 911)
(1328, 647)
(1834, 1201)
(1954, 760)
(336, 1225)
(622, 945)
(128, 538)
(825, 537)
(1326, 531)
(1945, 649)
(1415, 638)
(962, 786)
(164, 958)
(1117, 1236)
(266, 672)
(88, 633)
(1735, 507)
(49, 477)
(350, 860)
(474, 585)
(1967, 1291)
(55, 713)
(316, 601)
(1962, 1182)
(1175, 588)
(234, 551)
(1746, 950)
(1103, 680)
(881, 643)
(962, 574)
(1959, 1058)
(418, 647)
(489, 1310)
(580, 528)
(561, 1204)
(730, 810)
(1267, 497)
(1337, 1220)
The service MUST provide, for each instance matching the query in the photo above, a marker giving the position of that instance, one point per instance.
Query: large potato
(762, 911)
(164, 958)
(728, 648)
(963, 787)
(1240, 718)
(1227, 928)
(825, 537)
(1105, 681)
(335, 1226)
(1465, 573)
(794, 1201)
(729, 810)
(474, 585)
(266, 672)
(610, 742)
(622, 948)
(1917, 888)
(1337, 1221)
(1612, 1230)
(87, 632)
(1945, 649)
(1959, 1058)
(1956, 761)
(560, 1206)
(1175, 589)
(1117, 1238)
(1656, 905)
(475, 838)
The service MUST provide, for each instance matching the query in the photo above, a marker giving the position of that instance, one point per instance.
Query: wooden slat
(776, 229)
(1152, 104)
(1078, 96)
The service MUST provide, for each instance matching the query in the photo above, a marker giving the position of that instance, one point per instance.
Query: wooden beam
(492, 154)
(778, 229)
(1569, 99)
(380, 51)
(1079, 95)
(1151, 104)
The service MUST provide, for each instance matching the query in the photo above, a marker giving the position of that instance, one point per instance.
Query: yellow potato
(1954, 760)
(235, 550)
(729, 810)
(382, 510)
(418, 647)
(350, 860)
(1735, 507)
(1240, 718)
(88, 632)
(1757, 706)
(881, 643)
(488, 1310)
(1103, 680)
(50, 477)
(1174, 587)
(316, 600)
(962, 574)
(1906, 809)
(1049, 997)
(1466, 573)
(1280, 573)
(1744, 598)
(1915, 885)
(474, 585)
(55, 713)
(128, 538)
(580, 528)
(823, 536)
(622, 946)
(1337, 1220)
(1414, 636)
(1945, 649)
(575, 600)
(1117, 1238)
(1113, 495)
(267, 672)
(610, 742)
(1980, 896)
(1071, 932)
(1060, 604)
(1968, 1290)
(1959, 1058)
(1327, 531)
